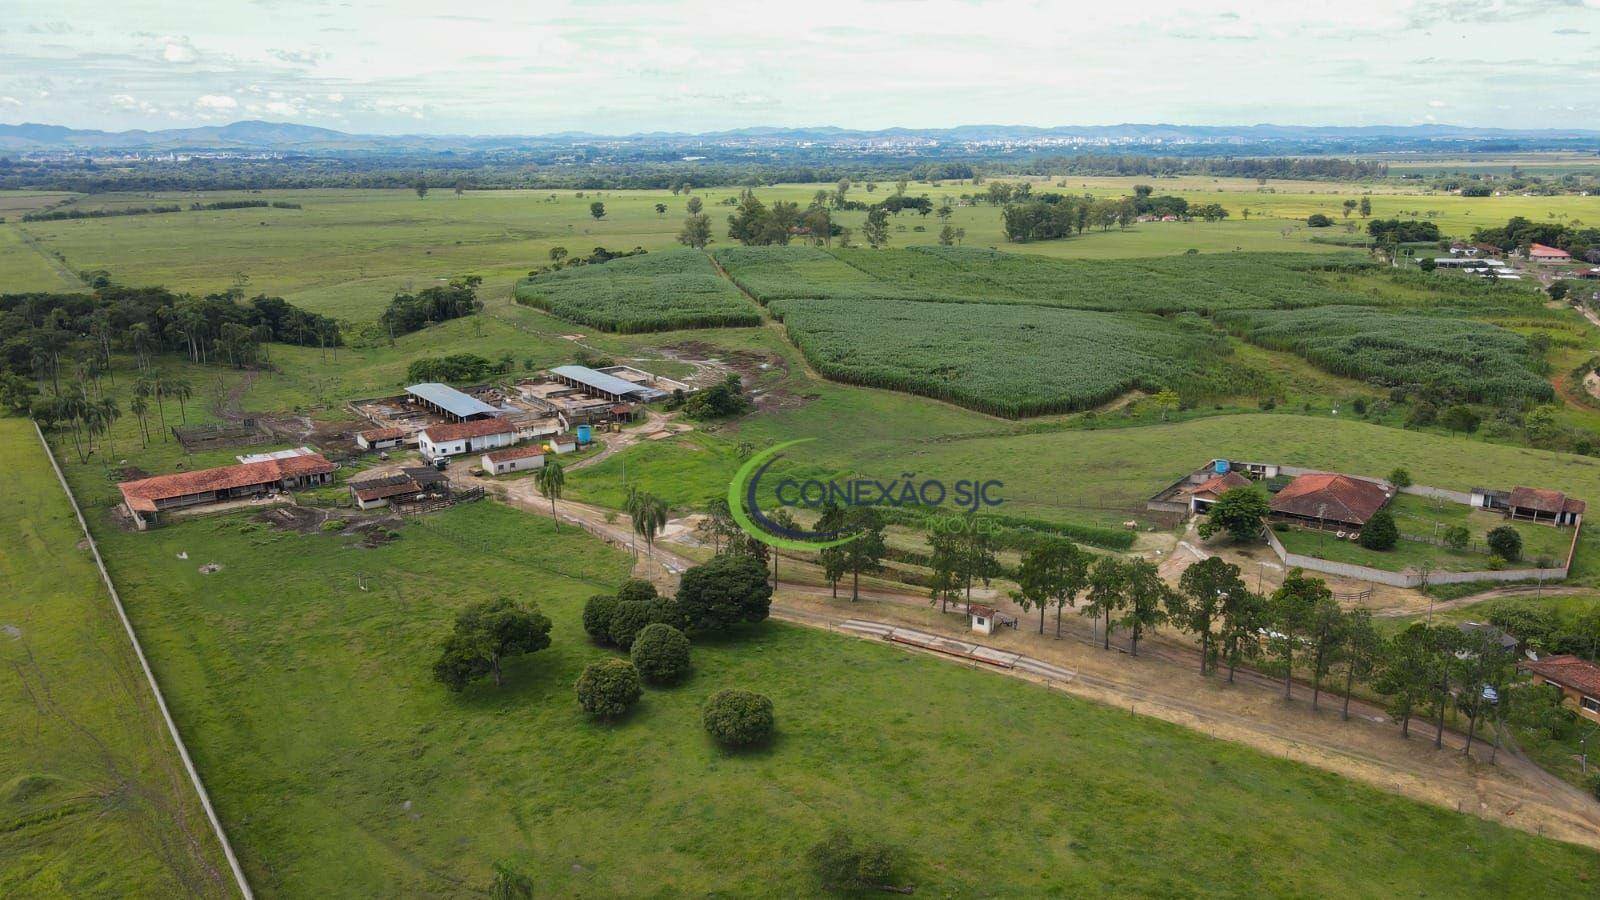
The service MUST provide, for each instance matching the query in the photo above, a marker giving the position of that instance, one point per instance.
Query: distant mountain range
(283, 137)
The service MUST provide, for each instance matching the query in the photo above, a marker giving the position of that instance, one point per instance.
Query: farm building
(147, 498)
(1202, 495)
(441, 441)
(381, 438)
(1577, 678)
(275, 454)
(1541, 253)
(1545, 506)
(1327, 498)
(449, 403)
(407, 485)
(561, 443)
(605, 385)
(513, 459)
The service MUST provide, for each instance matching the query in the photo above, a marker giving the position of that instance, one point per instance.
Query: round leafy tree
(661, 653)
(637, 589)
(1380, 532)
(597, 613)
(1318, 220)
(485, 634)
(1506, 543)
(1239, 512)
(608, 687)
(631, 616)
(724, 592)
(737, 718)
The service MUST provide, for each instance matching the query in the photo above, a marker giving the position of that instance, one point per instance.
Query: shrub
(608, 687)
(1457, 537)
(1460, 418)
(661, 654)
(1380, 532)
(597, 613)
(737, 718)
(842, 863)
(1506, 543)
(1318, 220)
(724, 592)
(637, 589)
(631, 616)
(1400, 478)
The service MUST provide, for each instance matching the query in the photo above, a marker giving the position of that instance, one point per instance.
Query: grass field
(93, 798)
(347, 251)
(341, 769)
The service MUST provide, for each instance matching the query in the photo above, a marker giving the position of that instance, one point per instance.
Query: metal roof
(451, 400)
(609, 384)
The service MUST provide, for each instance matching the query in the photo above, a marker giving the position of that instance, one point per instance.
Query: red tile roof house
(1546, 506)
(1202, 495)
(1541, 253)
(513, 459)
(1578, 679)
(477, 435)
(382, 438)
(147, 498)
(1326, 498)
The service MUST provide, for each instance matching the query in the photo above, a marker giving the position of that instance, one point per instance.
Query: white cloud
(178, 50)
(10, 101)
(216, 102)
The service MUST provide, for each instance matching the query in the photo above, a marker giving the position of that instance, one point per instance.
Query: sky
(624, 66)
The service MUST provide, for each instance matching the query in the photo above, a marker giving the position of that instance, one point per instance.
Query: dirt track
(1163, 682)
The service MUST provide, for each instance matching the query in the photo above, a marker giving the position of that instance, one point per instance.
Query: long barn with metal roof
(603, 385)
(449, 402)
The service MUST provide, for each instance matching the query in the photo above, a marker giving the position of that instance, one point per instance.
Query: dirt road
(1163, 681)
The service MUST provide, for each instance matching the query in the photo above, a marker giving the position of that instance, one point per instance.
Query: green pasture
(93, 798)
(300, 673)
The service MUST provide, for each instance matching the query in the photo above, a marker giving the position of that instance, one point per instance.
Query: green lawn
(341, 769)
(93, 798)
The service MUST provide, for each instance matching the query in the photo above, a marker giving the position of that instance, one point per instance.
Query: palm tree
(140, 407)
(631, 507)
(180, 390)
(649, 518)
(550, 480)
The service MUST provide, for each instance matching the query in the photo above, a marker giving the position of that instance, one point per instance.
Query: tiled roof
(384, 434)
(1327, 495)
(442, 434)
(978, 609)
(1552, 252)
(1570, 671)
(142, 494)
(383, 488)
(513, 453)
(1545, 501)
(1217, 484)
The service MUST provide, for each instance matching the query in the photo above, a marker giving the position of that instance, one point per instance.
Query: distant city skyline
(626, 66)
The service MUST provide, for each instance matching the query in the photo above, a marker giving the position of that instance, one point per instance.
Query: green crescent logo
(742, 490)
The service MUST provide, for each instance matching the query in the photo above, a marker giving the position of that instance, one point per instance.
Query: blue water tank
(1222, 467)
(583, 434)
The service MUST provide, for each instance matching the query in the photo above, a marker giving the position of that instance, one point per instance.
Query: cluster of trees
(412, 312)
(1397, 231)
(51, 339)
(1299, 168)
(561, 258)
(457, 367)
(723, 400)
(1520, 232)
(53, 215)
(1048, 216)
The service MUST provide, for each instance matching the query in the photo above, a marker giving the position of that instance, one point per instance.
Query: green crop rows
(653, 292)
(1459, 357)
(1007, 360)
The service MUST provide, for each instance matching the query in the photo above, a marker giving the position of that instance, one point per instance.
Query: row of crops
(1456, 356)
(1008, 360)
(652, 292)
